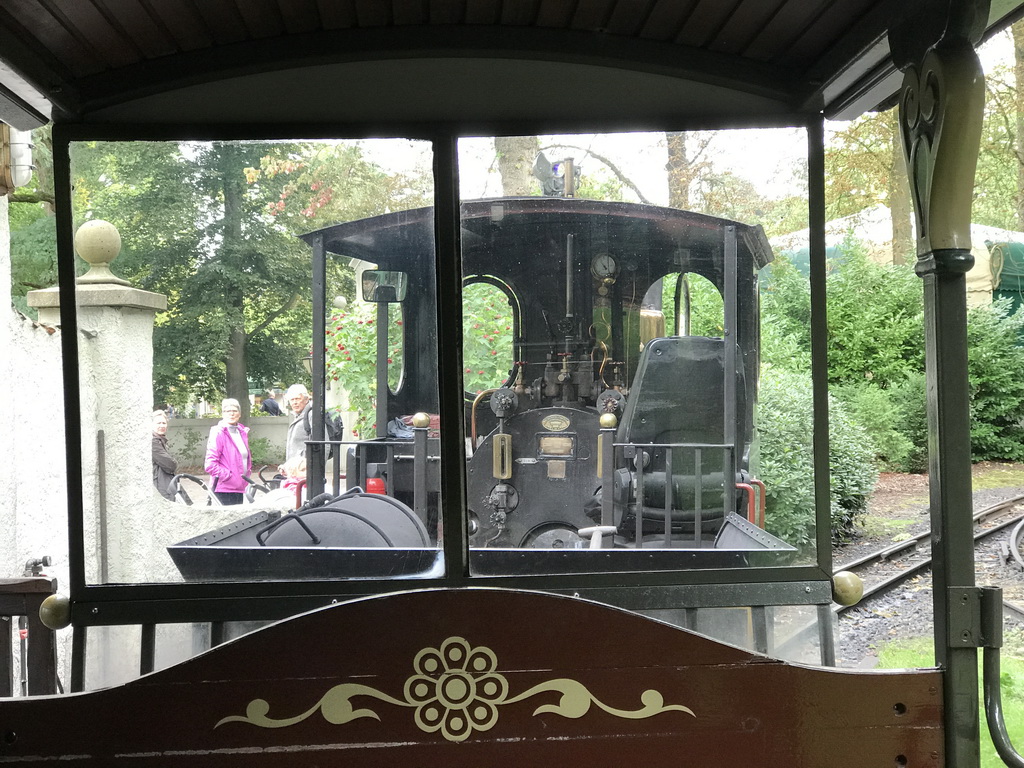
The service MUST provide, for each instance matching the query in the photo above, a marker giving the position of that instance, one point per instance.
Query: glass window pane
(202, 347)
(487, 343)
(630, 420)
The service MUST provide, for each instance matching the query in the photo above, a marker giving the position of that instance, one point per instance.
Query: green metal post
(941, 107)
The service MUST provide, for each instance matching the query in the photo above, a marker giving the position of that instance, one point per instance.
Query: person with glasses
(228, 460)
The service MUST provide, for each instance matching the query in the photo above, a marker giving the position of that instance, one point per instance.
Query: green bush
(909, 399)
(875, 409)
(875, 326)
(995, 362)
(786, 460)
(263, 453)
(786, 318)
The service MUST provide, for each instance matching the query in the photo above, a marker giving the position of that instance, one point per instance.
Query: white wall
(116, 358)
(186, 438)
(33, 496)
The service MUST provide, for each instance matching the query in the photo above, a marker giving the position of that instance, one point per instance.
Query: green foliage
(876, 356)
(852, 471)
(212, 226)
(33, 259)
(875, 410)
(264, 453)
(707, 313)
(995, 361)
(786, 317)
(875, 320)
(784, 422)
(487, 350)
(910, 401)
(191, 439)
(351, 351)
(997, 196)
(859, 162)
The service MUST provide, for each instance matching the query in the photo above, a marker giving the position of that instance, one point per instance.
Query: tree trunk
(516, 155)
(899, 195)
(233, 185)
(680, 171)
(1018, 73)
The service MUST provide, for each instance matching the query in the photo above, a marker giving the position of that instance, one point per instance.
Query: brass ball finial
(421, 420)
(609, 421)
(98, 243)
(847, 588)
(55, 612)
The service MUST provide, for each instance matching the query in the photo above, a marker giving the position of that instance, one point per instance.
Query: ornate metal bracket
(941, 110)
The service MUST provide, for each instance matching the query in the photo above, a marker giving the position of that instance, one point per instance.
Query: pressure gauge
(604, 267)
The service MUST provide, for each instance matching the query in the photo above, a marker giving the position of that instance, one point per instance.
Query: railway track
(888, 568)
(896, 573)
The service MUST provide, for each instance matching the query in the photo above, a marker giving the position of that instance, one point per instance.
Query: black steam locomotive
(613, 427)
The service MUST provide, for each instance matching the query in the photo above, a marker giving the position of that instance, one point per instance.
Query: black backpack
(334, 428)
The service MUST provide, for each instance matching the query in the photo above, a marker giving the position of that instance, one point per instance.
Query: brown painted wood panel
(484, 677)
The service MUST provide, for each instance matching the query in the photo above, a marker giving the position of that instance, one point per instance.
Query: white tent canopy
(872, 227)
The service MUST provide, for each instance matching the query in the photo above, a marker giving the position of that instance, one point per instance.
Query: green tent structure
(1007, 267)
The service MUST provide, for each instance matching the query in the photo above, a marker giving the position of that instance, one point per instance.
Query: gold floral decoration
(455, 689)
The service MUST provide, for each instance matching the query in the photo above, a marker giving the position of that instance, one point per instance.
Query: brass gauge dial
(604, 267)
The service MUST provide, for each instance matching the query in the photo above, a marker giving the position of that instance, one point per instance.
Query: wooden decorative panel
(484, 677)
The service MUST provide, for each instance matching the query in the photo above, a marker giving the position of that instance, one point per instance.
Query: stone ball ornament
(847, 588)
(98, 243)
(55, 612)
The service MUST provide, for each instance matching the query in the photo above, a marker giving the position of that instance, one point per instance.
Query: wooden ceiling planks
(788, 25)
(47, 31)
(150, 36)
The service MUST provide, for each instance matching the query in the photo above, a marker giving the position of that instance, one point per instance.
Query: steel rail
(1017, 544)
(887, 584)
(887, 552)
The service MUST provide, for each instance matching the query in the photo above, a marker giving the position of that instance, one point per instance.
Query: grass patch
(918, 652)
(895, 528)
(998, 476)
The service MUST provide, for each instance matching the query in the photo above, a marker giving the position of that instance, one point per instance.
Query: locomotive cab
(605, 428)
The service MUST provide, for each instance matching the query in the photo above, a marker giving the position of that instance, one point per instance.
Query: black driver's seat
(677, 398)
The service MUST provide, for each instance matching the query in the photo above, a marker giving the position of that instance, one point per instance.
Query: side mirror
(380, 286)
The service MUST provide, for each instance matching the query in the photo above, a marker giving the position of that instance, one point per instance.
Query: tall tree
(1017, 31)
(898, 193)
(687, 162)
(212, 226)
(516, 155)
(864, 166)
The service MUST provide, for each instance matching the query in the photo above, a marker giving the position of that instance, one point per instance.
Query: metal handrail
(992, 632)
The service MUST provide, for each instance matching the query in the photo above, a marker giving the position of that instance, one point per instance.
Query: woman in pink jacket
(228, 460)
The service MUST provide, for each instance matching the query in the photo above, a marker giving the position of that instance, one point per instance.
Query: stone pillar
(941, 110)
(115, 323)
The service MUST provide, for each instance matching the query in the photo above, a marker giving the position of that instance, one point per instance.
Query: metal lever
(596, 534)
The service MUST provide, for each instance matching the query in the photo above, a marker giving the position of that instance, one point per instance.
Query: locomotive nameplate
(556, 422)
(556, 445)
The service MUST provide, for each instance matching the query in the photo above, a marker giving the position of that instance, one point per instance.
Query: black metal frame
(150, 603)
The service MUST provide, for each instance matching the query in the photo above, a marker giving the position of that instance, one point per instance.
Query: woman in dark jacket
(164, 465)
